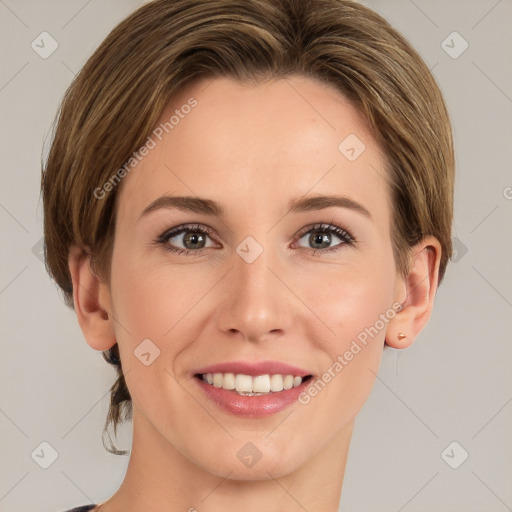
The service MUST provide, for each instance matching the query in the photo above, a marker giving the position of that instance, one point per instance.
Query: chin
(252, 457)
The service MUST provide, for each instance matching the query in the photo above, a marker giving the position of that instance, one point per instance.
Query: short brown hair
(114, 102)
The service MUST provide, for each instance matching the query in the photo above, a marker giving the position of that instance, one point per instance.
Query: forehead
(227, 140)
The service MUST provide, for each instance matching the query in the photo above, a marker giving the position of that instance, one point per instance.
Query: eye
(192, 239)
(185, 239)
(321, 236)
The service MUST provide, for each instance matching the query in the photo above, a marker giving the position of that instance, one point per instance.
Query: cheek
(168, 305)
(347, 299)
(156, 301)
(354, 307)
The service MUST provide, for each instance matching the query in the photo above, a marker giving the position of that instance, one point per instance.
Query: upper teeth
(247, 384)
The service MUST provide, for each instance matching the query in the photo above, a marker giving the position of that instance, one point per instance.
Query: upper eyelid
(323, 226)
(176, 230)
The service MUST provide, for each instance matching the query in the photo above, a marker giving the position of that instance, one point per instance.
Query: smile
(252, 389)
(247, 385)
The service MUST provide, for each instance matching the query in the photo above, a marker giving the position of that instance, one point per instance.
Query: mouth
(248, 385)
(252, 390)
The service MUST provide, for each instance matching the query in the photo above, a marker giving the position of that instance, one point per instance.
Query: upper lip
(254, 368)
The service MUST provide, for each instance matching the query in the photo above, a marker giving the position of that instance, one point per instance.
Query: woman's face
(275, 282)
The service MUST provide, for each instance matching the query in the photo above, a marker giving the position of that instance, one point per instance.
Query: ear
(419, 288)
(91, 298)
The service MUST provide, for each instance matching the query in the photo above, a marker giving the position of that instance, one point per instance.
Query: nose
(256, 306)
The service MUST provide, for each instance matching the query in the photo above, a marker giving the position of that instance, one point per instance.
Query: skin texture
(252, 149)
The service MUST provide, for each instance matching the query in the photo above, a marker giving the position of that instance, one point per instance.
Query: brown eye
(194, 240)
(321, 237)
(319, 240)
(186, 239)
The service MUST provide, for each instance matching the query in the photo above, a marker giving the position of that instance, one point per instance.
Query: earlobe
(91, 300)
(421, 287)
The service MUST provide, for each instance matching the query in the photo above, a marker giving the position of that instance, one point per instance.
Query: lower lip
(252, 406)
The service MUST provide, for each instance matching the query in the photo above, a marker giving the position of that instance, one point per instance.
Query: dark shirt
(84, 508)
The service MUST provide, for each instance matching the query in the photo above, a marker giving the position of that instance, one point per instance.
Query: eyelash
(163, 239)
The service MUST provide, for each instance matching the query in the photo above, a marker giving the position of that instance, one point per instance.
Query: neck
(159, 477)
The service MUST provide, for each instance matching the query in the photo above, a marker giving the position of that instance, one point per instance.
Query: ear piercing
(401, 335)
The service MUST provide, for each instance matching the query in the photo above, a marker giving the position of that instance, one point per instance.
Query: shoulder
(84, 508)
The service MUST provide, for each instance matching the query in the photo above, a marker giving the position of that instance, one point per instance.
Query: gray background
(453, 384)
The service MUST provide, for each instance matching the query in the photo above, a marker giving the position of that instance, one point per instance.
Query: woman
(244, 203)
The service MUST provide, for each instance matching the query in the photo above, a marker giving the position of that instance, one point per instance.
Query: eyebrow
(321, 202)
(209, 207)
(185, 203)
